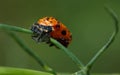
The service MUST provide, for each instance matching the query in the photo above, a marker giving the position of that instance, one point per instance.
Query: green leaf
(18, 71)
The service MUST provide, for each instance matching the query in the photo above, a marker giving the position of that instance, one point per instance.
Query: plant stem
(70, 54)
(31, 53)
(15, 28)
(110, 41)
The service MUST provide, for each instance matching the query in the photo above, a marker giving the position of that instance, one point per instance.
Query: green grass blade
(111, 39)
(31, 52)
(69, 53)
(18, 71)
(15, 28)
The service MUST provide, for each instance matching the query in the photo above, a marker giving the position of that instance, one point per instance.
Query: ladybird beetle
(49, 27)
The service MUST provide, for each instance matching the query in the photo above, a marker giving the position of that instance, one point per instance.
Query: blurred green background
(90, 24)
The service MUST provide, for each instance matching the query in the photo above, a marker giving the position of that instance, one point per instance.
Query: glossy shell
(49, 27)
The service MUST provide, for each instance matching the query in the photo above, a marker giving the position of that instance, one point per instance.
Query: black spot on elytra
(57, 26)
(63, 32)
(70, 36)
(51, 21)
(47, 18)
(58, 22)
(52, 18)
(63, 41)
